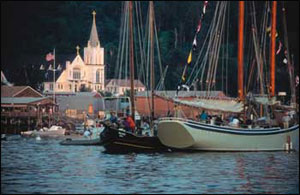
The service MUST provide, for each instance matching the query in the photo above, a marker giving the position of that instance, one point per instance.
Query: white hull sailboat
(187, 134)
(281, 133)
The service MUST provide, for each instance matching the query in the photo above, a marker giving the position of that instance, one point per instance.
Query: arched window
(76, 73)
(98, 76)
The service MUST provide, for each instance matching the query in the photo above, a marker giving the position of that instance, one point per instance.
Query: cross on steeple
(94, 40)
(77, 48)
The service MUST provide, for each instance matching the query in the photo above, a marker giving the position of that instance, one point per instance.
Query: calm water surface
(30, 166)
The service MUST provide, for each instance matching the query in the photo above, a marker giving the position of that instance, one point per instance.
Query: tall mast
(272, 54)
(131, 61)
(151, 14)
(240, 50)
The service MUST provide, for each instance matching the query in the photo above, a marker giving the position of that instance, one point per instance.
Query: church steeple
(94, 40)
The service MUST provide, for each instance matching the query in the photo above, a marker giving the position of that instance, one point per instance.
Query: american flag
(49, 57)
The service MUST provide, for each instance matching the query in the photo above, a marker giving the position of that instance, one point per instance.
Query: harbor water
(43, 166)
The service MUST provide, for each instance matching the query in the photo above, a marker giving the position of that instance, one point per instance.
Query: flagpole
(54, 82)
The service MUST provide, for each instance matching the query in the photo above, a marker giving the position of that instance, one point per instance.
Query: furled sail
(214, 104)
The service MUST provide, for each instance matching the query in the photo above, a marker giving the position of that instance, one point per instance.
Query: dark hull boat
(116, 140)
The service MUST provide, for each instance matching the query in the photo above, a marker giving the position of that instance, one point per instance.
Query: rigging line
(198, 58)
(205, 61)
(257, 52)
(125, 34)
(266, 68)
(120, 37)
(289, 62)
(219, 45)
(194, 44)
(147, 40)
(214, 50)
(158, 46)
(209, 44)
(126, 67)
(120, 41)
(197, 62)
(227, 47)
(161, 81)
(140, 33)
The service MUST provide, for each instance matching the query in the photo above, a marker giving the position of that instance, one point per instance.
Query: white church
(88, 72)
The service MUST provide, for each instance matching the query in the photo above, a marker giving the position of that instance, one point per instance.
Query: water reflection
(30, 166)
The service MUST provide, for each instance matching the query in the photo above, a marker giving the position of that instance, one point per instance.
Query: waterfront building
(120, 86)
(23, 107)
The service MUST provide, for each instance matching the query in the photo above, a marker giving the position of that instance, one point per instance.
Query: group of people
(232, 120)
(127, 122)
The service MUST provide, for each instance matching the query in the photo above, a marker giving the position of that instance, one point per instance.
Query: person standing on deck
(130, 123)
(203, 116)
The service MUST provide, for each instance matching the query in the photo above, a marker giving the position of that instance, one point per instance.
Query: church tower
(94, 57)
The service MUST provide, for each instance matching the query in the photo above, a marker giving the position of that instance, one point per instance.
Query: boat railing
(175, 118)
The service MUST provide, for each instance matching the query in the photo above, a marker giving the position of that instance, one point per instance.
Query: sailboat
(115, 138)
(281, 135)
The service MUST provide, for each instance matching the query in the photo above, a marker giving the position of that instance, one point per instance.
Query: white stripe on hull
(182, 135)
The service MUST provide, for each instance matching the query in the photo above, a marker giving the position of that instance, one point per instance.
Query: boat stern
(173, 134)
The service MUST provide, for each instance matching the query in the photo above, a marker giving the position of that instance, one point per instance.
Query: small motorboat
(116, 140)
(52, 131)
(94, 139)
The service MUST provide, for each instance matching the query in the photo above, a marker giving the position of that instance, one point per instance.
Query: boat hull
(186, 134)
(117, 140)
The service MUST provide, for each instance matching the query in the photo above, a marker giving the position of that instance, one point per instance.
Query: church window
(98, 76)
(76, 73)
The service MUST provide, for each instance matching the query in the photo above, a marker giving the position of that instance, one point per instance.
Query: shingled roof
(19, 91)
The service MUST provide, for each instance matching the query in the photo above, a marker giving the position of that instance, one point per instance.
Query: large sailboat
(264, 124)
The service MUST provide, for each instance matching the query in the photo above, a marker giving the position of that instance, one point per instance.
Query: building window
(76, 73)
(70, 86)
(98, 76)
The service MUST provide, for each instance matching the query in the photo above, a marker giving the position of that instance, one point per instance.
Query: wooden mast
(152, 84)
(131, 62)
(272, 54)
(240, 50)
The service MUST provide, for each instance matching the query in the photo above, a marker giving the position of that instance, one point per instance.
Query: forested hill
(29, 30)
